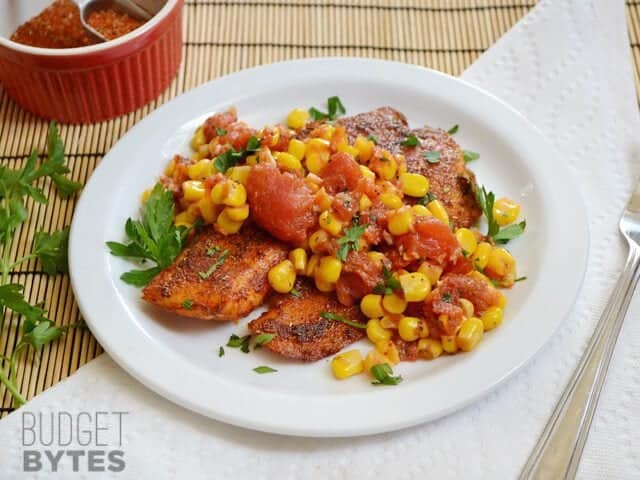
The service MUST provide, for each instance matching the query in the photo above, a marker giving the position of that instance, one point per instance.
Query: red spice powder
(112, 24)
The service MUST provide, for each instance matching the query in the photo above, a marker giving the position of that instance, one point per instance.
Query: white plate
(178, 358)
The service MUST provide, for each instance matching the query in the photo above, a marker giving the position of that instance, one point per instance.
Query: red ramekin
(98, 82)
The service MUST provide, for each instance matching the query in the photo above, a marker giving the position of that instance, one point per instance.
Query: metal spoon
(139, 9)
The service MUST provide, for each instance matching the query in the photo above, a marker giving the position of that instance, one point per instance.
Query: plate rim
(381, 425)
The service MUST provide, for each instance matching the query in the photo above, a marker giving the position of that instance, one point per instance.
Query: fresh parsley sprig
(410, 141)
(335, 110)
(339, 318)
(500, 235)
(350, 241)
(383, 374)
(232, 157)
(389, 285)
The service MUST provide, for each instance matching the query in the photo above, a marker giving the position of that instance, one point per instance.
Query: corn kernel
(317, 155)
(193, 190)
(348, 149)
(389, 350)
(329, 223)
(298, 256)
(481, 276)
(367, 172)
(170, 168)
(317, 239)
(324, 286)
(237, 195)
(287, 161)
(438, 211)
(200, 170)
(208, 210)
(391, 200)
(184, 219)
(324, 131)
(239, 173)
(505, 211)
(415, 286)
(252, 160)
(414, 184)
(227, 226)
(421, 211)
(385, 167)
(429, 348)
(365, 203)
(500, 264)
(297, 148)
(347, 364)
(470, 334)
(282, 276)
(297, 118)
(449, 344)
(145, 196)
(376, 333)
(371, 305)
(467, 307)
(365, 148)
(467, 240)
(328, 270)
(400, 221)
(492, 318)
(502, 300)
(432, 272)
(219, 193)
(373, 358)
(480, 256)
(198, 139)
(394, 303)
(409, 328)
(237, 214)
(312, 263)
(377, 257)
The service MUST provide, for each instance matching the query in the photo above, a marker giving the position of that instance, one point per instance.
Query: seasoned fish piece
(218, 277)
(386, 124)
(300, 332)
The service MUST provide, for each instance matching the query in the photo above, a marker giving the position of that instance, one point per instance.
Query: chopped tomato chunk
(341, 173)
(359, 276)
(431, 240)
(219, 120)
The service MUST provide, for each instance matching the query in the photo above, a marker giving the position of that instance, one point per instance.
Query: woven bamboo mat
(222, 37)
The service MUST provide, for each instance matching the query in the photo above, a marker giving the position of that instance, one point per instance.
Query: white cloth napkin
(567, 67)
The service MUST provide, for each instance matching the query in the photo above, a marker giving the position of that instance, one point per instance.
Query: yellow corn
(365, 203)
(421, 211)
(237, 214)
(198, 139)
(239, 173)
(298, 256)
(282, 276)
(324, 131)
(365, 148)
(409, 328)
(470, 334)
(145, 196)
(415, 286)
(375, 332)
(481, 276)
(316, 239)
(346, 148)
(394, 303)
(386, 167)
(347, 364)
(208, 210)
(297, 148)
(502, 300)
(501, 263)
(317, 155)
(236, 196)
(492, 318)
(505, 211)
(467, 240)
(323, 200)
(184, 219)
(328, 270)
(389, 350)
(252, 160)
(438, 211)
(414, 184)
(324, 286)
(219, 192)
(367, 172)
(193, 190)
(467, 307)
(376, 257)
(391, 200)
(401, 221)
(373, 358)
(432, 272)
(312, 264)
(297, 118)
(226, 225)
(200, 170)
(449, 344)
(170, 168)
(287, 161)
(371, 305)
(480, 256)
(329, 223)
(429, 348)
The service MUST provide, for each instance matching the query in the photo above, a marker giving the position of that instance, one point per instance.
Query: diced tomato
(359, 276)
(431, 240)
(280, 203)
(345, 205)
(276, 138)
(219, 120)
(461, 264)
(238, 135)
(341, 173)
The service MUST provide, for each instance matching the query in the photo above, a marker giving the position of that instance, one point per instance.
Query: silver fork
(559, 448)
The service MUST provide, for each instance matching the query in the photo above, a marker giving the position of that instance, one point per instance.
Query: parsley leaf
(520, 279)
(336, 109)
(350, 241)
(446, 297)
(221, 259)
(432, 157)
(373, 138)
(232, 157)
(389, 285)
(263, 339)
(339, 318)
(410, 141)
(239, 342)
(187, 304)
(296, 293)
(264, 369)
(220, 132)
(509, 233)
(51, 249)
(384, 375)
(221, 351)
(486, 200)
(470, 156)
(453, 130)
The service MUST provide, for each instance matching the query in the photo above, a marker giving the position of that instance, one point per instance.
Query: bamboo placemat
(221, 37)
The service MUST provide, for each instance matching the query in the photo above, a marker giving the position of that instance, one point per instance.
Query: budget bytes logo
(73, 442)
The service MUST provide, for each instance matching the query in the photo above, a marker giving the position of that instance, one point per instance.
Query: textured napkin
(567, 67)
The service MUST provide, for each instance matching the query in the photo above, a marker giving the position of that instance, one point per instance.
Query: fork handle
(559, 448)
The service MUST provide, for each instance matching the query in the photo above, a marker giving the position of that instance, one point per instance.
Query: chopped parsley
(232, 157)
(221, 132)
(500, 235)
(223, 256)
(221, 351)
(339, 318)
(187, 304)
(470, 156)
(520, 279)
(373, 138)
(446, 297)
(432, 157)
(212, 251)
(429, 197)
(263, 339)
(350, 240)
(384, 375)
(335, 107)
(264, 369)
(239, 342)
(410, 141)
(389, 285)
(296, 293)
(453, 130)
